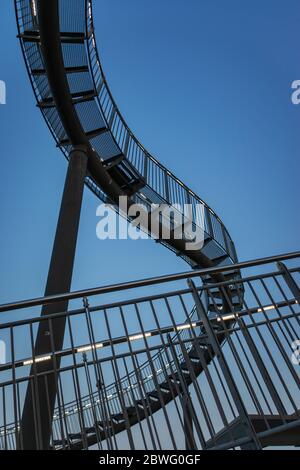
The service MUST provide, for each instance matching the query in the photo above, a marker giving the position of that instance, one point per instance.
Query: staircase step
(119, 417)
(102, 425)
(113, 161)
(90, 430)
(75, 437)
(140, 405)
(164, 389)
(153, 396)
(60, 442)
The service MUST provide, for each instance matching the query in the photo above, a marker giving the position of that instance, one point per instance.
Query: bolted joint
(80, 151)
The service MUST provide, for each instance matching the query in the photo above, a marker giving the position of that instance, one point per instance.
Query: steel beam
(41, 394)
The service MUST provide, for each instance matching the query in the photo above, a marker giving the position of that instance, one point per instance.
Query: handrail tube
(145, 282)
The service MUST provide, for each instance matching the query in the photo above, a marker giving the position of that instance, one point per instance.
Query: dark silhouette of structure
(230, 340)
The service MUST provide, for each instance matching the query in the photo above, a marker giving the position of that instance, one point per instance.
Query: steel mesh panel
(25, 12)
(33, 55)
(105, 146)
(42, 84)
(75, 22)
(74, 55)
(80, 82)
(212, 250)
(55, 123)
(89, 115)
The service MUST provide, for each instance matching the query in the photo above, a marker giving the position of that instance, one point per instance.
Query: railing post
(262, 369)
(188, 410)
(190, 443)
(213, 341)
(58, 282)
(292, 285)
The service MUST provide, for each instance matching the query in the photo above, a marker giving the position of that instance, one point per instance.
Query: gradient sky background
(206, 86)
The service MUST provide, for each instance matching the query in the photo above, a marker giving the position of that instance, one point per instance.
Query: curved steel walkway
(79, 109)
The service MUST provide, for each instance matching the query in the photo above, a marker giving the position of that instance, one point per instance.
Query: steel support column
(41, 392)
(190, 443)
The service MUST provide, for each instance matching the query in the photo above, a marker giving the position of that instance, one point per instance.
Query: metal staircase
(179, 388)
(221, 381)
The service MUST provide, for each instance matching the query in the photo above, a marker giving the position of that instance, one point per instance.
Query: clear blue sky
(206, 87)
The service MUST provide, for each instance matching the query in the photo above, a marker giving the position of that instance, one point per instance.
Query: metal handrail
(145, 282)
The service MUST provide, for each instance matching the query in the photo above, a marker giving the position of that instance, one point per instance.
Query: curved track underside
(62, 58)
(59, 46)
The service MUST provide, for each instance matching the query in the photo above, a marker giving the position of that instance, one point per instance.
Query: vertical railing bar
(134, 402)
(137, 372)
(118, 381)
(256, 400)
(145, 400)
(78, 401)
(211, 384)
(208, 377)
(201, 357)
(212, 387)
(290, 307)
(186, 403)
(226, 370)
(36, 401)
(261, 367)
(185, 394)
(76, 381)
(65, 418)
(241, 368)
(19, 408)
(156, 384)
(88, 377)
(56, 375)
(263, 370)
(96, 362)
(209, 223)
(47, 399)
(279, 325)
(4, 418)
(257, 358)
(146, 168)
(99, 378)
(274, 336)
(215, 394)
(192, 411)
(289, 281)
(167, 186)
(162, 364)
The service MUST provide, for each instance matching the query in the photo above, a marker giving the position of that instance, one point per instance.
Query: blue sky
(205, 85)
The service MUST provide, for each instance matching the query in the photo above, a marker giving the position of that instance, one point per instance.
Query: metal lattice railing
(213, 363)
(235, 373)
